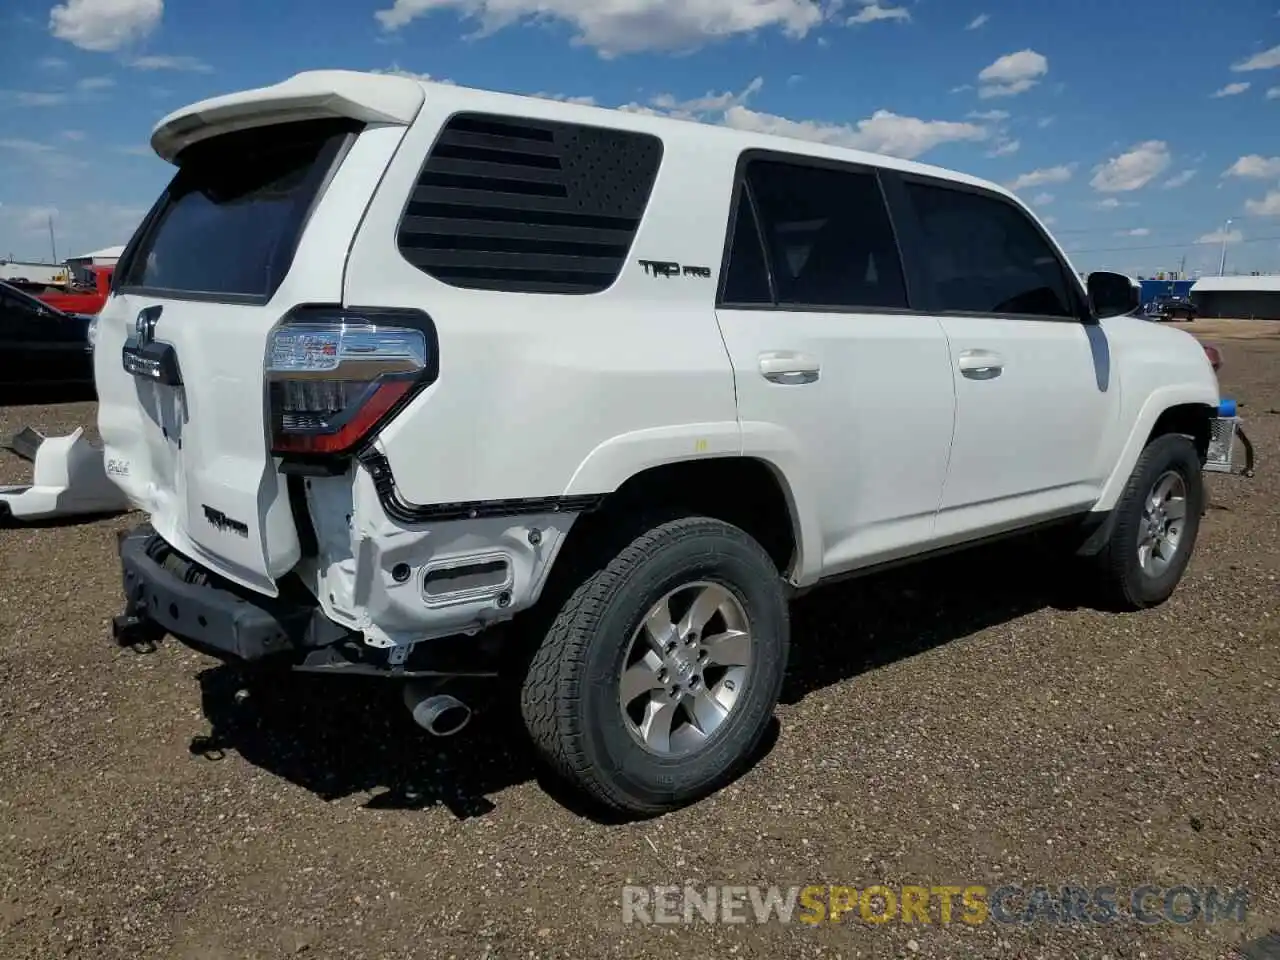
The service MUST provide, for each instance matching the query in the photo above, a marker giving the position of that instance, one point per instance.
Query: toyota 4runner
(440, 384)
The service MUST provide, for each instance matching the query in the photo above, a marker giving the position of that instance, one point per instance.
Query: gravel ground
(959, 723)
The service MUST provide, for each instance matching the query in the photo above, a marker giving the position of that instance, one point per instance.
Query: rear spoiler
(311, 95)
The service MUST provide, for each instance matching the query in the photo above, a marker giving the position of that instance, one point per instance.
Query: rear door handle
(981, 364)
(789, 368)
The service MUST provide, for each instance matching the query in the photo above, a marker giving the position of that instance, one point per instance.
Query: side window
(18, 310)
(984, 255)
(829, 236)
(528, 206)
(747, 277)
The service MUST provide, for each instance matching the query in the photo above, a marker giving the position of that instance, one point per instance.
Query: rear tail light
(335, 375)
(1214, 355)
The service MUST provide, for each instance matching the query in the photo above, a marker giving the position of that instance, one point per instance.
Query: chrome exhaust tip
(440, 714)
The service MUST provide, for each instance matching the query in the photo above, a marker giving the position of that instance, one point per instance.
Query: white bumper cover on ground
(69, 479)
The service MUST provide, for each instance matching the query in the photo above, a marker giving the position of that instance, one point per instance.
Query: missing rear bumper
(166, 593)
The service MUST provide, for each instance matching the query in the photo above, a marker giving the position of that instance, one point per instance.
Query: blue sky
(1136, 128)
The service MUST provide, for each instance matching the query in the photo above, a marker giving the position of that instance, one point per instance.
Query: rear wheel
(1156, 524)
(658, 677)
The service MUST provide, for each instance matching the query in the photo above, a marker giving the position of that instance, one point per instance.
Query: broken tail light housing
(335, 375)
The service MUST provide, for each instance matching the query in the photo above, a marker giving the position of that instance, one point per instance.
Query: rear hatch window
(228, 224)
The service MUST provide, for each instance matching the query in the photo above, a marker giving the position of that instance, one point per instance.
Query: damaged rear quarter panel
(359, 547)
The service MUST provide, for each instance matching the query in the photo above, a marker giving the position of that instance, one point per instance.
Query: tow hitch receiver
(133, 629)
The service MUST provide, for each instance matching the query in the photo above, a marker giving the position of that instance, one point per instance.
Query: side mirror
(1112, 294)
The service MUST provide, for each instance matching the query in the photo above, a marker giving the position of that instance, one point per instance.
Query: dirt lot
(960, 723)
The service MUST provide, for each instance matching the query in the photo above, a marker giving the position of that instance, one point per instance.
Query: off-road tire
(569, 696)
(1125, 584)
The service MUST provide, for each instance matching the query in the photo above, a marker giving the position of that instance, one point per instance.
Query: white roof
(1267, 284)
(390, 99)
(106, 253)
(386, 98)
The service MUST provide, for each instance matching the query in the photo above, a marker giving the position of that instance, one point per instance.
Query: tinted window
(231, 218)
(20, 309)
(747, 277)
(985, 256)
(513, 204)
(828, 234)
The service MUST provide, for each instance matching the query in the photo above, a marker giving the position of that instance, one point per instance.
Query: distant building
(33, 272)
(106, 257)
(1241, 297)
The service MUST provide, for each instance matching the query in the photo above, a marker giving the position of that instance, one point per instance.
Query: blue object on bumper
(1226, 408)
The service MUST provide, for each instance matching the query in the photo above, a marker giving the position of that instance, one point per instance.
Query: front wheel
(658, 677)
(1156, 524)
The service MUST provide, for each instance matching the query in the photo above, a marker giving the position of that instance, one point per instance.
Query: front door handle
(981, 364)
(789, 368)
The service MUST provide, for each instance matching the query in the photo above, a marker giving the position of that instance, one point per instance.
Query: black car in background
(40, 346)
(1174, 308)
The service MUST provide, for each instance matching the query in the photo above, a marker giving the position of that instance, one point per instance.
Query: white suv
(441, 384)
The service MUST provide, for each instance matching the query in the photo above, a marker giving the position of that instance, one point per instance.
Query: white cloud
(1048, 221)
(1218, 236)
(1004, 148)
(1273, 93)
(871, 12)
(138, 150)
(73, 135)
(1111, 203)
(396, 70)
(25, 229)
(882, 132)
(626, 26)
(170, 62)
(95, 83)
(1133, 169)
(32, 98)
(978, 21)
(52, 63)
(1232, 89)
(1037, 178)
(29, 219)
(566, 98)
(1179, 180)
(1012, 74)
(1135, 232)
(43, 156)
(710, 103)
(1044, 122)
(1042, 199)
(1268, 206)
(709, 107)
(1255, 166)
(105, 25)
(1267, 60)
(25, 147)
(991, 116)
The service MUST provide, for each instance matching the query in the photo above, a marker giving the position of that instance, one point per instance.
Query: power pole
(53, 244)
